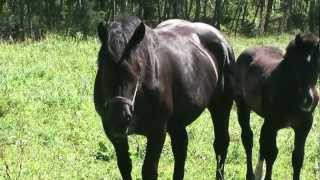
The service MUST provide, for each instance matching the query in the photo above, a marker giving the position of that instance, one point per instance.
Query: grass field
(50, 130)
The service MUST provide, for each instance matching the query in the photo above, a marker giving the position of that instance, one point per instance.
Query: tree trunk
(242, 4)
(197, 11)
(235, 21)
(29, 16)
(123, 6)
(262, 16)
(286, 7)
(189, 9)
(178, 9)
(312, 14)
(217, 13)
(148, 10)
(21, 13)
(205, 8)
(259, 3)
(244, 14)
(114, 5)
(167, 9)
(268, 15)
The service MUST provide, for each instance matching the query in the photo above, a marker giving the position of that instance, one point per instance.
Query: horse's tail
(228, 69)
(225, 80)
(225, 56)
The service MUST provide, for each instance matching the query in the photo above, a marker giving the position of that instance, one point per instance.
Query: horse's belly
(250, 87)
(186, 116)
(188, 105)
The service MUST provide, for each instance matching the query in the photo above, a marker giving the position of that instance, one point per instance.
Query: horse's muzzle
(119, 115)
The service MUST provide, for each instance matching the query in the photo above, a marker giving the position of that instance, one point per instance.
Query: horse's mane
(301, 44)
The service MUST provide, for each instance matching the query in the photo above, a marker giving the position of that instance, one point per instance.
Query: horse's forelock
(116, 43)
(119, 35)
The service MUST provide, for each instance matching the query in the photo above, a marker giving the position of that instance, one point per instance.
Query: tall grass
(49, 128)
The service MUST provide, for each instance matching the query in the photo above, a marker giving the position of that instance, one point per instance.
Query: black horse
(282, 89)
(153, 81)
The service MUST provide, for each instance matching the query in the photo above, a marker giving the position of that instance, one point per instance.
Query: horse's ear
(135, 39)
(298, 39)
(137, 36)
(102, 32)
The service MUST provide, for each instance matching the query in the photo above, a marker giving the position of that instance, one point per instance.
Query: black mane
(119, 34)
(302, 44)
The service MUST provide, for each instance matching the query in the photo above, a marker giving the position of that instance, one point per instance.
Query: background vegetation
(20, 19)
(50, 130)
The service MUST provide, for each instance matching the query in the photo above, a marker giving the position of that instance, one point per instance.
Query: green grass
(50, 130)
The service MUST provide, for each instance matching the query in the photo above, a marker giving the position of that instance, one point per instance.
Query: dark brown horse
(153, 81)
(282, 89)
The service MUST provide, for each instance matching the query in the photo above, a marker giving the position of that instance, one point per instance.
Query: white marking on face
(307, 107)
(259, 170)
(309, 58)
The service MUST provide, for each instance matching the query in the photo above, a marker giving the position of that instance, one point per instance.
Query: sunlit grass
(49, 128)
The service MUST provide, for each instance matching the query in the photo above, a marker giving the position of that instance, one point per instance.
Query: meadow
(50, 130)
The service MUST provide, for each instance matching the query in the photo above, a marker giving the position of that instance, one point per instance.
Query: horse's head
(303, 60)
(118, 64)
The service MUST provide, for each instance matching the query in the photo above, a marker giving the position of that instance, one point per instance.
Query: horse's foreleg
(220, 114)
(301, 134)
(153, 151)
(179, 143)
(246, 134)
(121, 147)
(268, 147)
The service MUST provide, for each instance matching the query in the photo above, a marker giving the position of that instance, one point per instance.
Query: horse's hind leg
(179, 143)
(220, 113)
(246, 133)
(301, 133)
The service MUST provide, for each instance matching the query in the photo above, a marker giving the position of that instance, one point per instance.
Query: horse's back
(201, 37)
(185, 28)
(261, 56)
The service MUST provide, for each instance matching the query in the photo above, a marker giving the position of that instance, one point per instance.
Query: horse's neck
(281, 76)
(150, 63)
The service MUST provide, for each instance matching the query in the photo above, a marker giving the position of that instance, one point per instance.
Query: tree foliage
(31, 18)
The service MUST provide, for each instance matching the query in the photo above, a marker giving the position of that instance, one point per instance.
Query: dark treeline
(20, 19)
